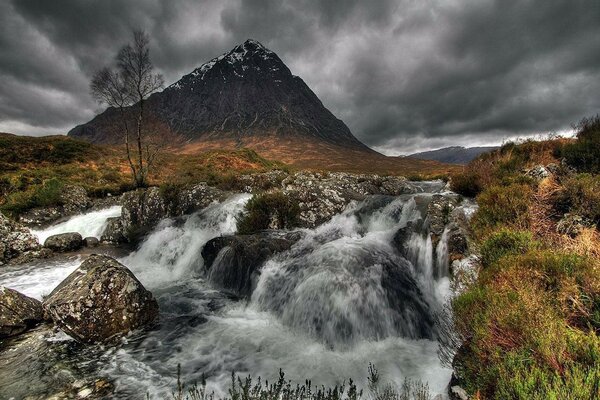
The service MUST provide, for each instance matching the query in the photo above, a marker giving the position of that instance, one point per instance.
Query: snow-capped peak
(235, 57)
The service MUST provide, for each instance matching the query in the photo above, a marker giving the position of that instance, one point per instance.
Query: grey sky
(404, 75)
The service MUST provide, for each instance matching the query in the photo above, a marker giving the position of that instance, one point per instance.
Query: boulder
(572, 225)
(143, 209)
(439, 212)
(233, 262)
(18, 312)
(114, 232)
(321, 196)
(538, 172)
(64, 242)
(100, 301)
(91, 242)
(17, 243)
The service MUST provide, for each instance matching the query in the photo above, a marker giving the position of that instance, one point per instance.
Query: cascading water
(89, 224)
(360, 288)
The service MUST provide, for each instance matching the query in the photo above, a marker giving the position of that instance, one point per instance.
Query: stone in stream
(113, 233)
(17, 243)
(18, 312)
(234, 261)
(91, 241)
(100, 301)
(64, 242)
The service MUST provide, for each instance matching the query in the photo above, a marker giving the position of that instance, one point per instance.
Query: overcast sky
(405, 75)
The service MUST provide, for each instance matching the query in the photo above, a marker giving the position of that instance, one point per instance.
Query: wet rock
(439, 211)
(572, 225)
(43, 364)
(100, 301)
(252, 183)
(464, 273)
(143, 209)
(91, 242)
(233, 262)
(538, 172)
(458, 244)
(18, 312)
(194, 198)
(321, 196)
(64, 242)
(17, 243)
(114, 232)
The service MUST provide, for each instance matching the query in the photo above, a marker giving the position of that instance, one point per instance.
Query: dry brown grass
(314, 154)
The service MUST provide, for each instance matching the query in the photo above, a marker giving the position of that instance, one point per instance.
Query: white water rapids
(88, 224)
(345, 295)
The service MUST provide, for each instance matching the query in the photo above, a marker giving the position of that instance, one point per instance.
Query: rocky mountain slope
(248, 91)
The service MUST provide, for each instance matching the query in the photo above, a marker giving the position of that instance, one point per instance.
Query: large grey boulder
(233, 262)
(100, 301)
(321, 196)
(18, 312)
(17, 243)
(64, 242)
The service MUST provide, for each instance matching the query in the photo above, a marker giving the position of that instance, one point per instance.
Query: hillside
(528, 328)
(453, 154)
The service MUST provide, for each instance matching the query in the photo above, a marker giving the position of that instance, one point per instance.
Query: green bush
(44, 195)
(466, 183)
(272, 209)
(505, 242)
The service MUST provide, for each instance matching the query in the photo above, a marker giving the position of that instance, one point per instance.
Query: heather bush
(268, 210)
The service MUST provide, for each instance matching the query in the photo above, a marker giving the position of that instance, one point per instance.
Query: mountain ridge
(453, 154)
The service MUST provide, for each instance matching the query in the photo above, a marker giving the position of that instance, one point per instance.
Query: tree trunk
(141, 178)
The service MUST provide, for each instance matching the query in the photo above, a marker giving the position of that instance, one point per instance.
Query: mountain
(454, 154)
(248, 97)
(246, 92)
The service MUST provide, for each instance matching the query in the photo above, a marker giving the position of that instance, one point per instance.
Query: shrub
(268, 210)
(581, 195)
(503, 205)
(282, 389)
(466, 183)
(584, 154)
(505, 242)
(44, 195)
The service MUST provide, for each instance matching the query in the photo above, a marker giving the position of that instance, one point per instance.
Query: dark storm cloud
(404, 75)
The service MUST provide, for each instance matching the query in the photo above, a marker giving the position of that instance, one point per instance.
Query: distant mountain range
(454, 154)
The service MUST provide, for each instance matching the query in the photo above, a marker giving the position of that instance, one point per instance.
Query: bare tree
(126, 86)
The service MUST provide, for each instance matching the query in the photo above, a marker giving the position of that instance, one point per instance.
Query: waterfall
(88, 224)
(172, 250)
(363, 287)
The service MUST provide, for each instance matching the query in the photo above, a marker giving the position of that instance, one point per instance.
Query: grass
(32, 168)
(529, 326)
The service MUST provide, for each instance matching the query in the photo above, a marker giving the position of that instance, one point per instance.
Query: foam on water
(88, 224)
